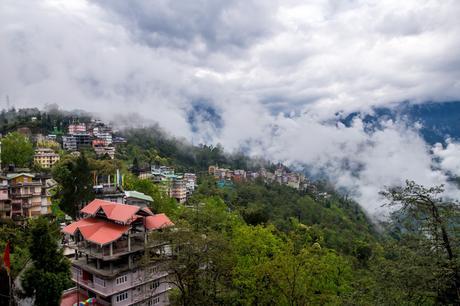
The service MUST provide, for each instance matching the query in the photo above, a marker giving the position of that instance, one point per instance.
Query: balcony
(5, 207)
(108, 252)
(22, 195)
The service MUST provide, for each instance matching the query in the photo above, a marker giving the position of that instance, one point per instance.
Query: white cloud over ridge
(274, 72)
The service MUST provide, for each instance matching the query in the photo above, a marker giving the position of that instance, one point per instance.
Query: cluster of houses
(25, 195)
(179, 186)
(94, 134)
(226, 177)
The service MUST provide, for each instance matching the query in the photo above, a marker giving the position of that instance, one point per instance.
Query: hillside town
(109, 235)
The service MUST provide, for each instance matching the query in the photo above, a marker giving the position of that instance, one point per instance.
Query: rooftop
(114, 211)
(138, 195)
(97, 231)
(98, 228)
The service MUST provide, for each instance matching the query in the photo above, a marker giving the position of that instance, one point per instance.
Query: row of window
(122, 279)
(154, 300)
(154, 285)
(121, 296)
(124, 296)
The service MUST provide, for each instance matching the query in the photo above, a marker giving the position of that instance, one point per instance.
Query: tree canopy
(16, 150)
(49, 274)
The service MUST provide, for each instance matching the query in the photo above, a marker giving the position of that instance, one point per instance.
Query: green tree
(17, 150)
(75, 184)
(431, 225)
(49, 274)
(201, 261)
(162, 203)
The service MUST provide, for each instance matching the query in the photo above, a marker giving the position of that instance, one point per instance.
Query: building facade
(109, 243)
(77, 128)
(26, 195)
(46, 157)
(5, 202)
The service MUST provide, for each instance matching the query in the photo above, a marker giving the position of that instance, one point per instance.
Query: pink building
(109, 243)
(77, 128)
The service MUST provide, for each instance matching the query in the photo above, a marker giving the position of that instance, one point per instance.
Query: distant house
(101, 151)
(138, 199)
(69, 143)
(28, 194)
(77, 128)
(109, 192)
(5, 201)
(45, 157)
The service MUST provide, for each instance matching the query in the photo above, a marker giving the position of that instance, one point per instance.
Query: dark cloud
(221, 26)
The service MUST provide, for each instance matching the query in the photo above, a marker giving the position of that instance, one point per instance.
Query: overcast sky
(268, 76)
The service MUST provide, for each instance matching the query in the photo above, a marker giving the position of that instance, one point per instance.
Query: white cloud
(448, 156)
(251, 62)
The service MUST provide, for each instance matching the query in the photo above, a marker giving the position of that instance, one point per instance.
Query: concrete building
(83, 140)
(5, 202)
(138, 199)
(77, 128)
(178, 189)
(109, 192)
(69, 143)
(190, 182)
(101, 151)
(45, 157)
(109, 242)
(27, 197)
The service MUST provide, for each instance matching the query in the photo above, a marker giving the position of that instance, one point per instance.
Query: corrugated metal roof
(114, 211)
(138, 195)
(97, 231)
(157, 222)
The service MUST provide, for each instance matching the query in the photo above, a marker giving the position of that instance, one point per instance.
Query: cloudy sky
(271, 77)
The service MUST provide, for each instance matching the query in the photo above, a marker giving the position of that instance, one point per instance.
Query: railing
(119, 248)
(5, 207)
(22, 195)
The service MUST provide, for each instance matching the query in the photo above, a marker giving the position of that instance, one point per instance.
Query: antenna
(7, 102)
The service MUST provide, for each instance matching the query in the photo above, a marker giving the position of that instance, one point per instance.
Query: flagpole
(11, 289)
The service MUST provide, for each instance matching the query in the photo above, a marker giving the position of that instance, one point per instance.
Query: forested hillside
(261, 243)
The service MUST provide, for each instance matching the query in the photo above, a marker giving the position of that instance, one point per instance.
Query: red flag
(6, 257)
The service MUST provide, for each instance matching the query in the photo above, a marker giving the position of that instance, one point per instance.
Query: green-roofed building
(138, 198)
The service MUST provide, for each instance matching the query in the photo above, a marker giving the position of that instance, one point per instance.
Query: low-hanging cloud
(267, 76)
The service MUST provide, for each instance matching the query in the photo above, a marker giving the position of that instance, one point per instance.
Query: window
(122, 296)
(76, 270)
(154, 285)
(122, 279)
(154, 300)
(153, 270)
(99, 281)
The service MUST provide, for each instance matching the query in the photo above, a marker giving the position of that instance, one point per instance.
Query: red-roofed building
(109, 243)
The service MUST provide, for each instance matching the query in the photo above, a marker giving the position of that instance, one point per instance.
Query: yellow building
(45, 157)
(29, 196)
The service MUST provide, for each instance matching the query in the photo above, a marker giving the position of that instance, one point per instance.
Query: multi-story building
(178, 189)
(83, 140)
(101, 151)
(138, 198)
(239, 175)
(190, 182)
(69, 143)
(109, 243)
(77, 128)
(5, 202)
(106, 137)
(25, 194)
(109, 192)
(46, 157)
